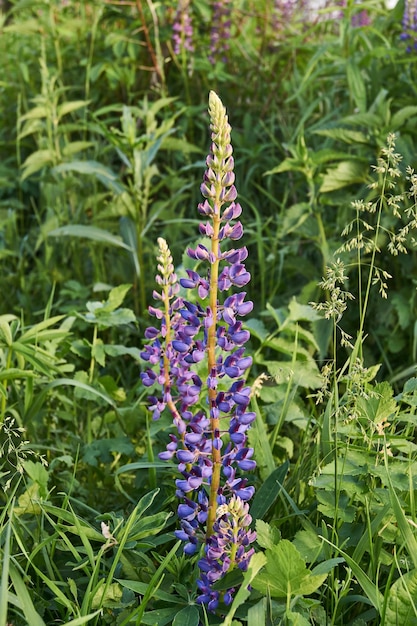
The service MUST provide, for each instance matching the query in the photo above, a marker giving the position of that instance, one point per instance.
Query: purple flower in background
(220, 31)
(361, 19)
(409, 24)
(182, 29)
(197, 363)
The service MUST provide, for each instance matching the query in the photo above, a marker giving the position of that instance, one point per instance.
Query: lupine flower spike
(199, 363)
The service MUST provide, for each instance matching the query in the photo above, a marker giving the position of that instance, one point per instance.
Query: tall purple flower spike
(197, 361)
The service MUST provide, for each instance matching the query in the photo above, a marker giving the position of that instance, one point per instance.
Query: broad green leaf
(116, 297)
(28, 502)
(343, 174)
(302, 312)
(92, 168)
(402, 601)
(141, 588)
(89, 232)
(98, 353)
(308, 544)
(120, 350)
(268, 492)
(159, 617)
(257, 613)
(36, 161)
(402, 116)
(76, 146)
(257, 328)
(295, 619)
(285, 574)
(188, 616)
(356, 83)
(379, 406)
(69, 107)
(111, 598)
(267, 536)
(346, 135)
(302, 374)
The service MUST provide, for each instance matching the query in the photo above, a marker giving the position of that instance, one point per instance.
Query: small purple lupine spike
(210, 413)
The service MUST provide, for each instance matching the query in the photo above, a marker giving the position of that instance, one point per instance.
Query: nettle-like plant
(198, 363)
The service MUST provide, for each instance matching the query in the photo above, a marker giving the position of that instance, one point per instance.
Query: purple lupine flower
(225, 549)
(361, 19)
(409, 24)
(182, 28)
(198, 361)
(282, 14)
(220, 31)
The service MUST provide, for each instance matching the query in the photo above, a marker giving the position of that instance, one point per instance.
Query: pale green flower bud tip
(218, 118)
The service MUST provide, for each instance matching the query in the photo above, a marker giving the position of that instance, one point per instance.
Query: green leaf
(76, 146)
(92, 168)
(32, 616)
(379, 406)
(343, 174)
(269, 491)
(69, 107)
(98, 352)
(36, 161)
(89, 232)
(256, 563)
(308, 544)
(111, 597)
(188, 616)
(402, 600)
(346, 135)
(403, 116)
(285, 574)
(257, 613)
(302, 312)
(267, 536)
(356, 83)
(295, 619)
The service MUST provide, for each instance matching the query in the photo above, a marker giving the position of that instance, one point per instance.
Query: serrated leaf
(266, 535)
(285, 573)
(302, 312)
(309, 544)
(295, 619)
(304, 374)
(379, 406)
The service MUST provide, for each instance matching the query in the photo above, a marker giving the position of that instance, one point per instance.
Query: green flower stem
(211, 362)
